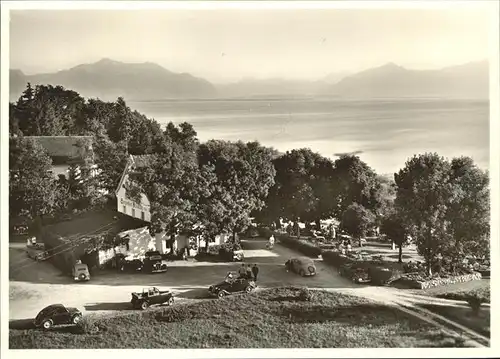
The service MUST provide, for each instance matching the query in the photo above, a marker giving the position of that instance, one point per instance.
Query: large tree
(238, 177)
(47, 111)
(392, 226)
(355, 182)
(303, 187)
(172, 182)
(423, 194)
(32, 188)
(111, 159)
(468, 210)
(356, 220)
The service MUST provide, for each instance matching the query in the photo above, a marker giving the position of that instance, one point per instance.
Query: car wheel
(47, 324)
(249, 289)
(170, 301)
(302, 273)
(76, 319)
(144, 305)
(164, 267)
(221, 294)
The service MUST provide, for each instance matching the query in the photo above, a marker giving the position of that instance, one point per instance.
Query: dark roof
(53, 306)
(143, 160)
(61, 146)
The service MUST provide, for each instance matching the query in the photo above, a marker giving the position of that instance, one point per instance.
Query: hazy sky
(225, 45)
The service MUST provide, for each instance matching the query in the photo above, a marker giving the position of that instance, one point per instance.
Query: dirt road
(37, 285)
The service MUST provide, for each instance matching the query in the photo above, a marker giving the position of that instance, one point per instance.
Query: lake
(384, 133)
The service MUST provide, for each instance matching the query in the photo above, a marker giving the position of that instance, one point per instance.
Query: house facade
(140, 210)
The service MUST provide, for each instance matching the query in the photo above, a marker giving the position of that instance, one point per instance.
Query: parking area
(36, 285)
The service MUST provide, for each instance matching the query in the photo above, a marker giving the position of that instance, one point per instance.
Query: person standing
(270, 243)
(255, 271)
(242, 271)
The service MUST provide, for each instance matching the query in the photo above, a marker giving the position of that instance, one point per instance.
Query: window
(133, 212)
(60, 310)
(143, 215)
(124, 209)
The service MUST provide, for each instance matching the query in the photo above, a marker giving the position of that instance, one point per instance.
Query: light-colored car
(81, 272)
(36, 251)
(303, 266)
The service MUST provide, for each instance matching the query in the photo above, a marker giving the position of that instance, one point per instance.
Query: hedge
(335, 258)
(301, 245)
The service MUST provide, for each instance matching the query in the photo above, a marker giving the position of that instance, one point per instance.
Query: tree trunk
(318, 224)
(429, 267)
(171, 244)
(278, 223)
(400, 257)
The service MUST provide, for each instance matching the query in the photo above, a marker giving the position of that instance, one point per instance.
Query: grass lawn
(463, 315)
(480, 323)
(274, 318)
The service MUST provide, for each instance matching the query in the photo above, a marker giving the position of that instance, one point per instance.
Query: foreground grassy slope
(274, 318)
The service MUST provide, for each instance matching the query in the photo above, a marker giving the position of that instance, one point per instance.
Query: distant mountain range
(108, 79)
(465, 81)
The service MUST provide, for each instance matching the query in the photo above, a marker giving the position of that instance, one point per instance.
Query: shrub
(214, 250)
(475, 301)
(305, 295)
(90, 325)
(301, 245)
(176, 314)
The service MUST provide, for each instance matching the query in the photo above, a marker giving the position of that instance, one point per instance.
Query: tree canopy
(32, 188)
(445, 206)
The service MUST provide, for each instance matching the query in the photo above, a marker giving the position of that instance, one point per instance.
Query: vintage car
(232, 255)
(151, 296)
(125, 264)
(154, 262)
(303, 266)
(80, 272)
(57, 314)
(36, 251)
(232, 284)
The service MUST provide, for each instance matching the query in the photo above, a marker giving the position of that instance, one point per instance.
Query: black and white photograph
(250, 175)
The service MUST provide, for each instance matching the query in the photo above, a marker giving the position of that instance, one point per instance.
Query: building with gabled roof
(65, 151)
(125, 204)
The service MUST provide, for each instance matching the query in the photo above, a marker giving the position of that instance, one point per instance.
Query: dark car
(154, 262)
(303, 266)
(57, 314)
(232, 285)
(151, 296)
(124, 265)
